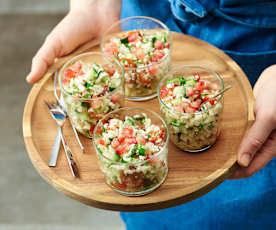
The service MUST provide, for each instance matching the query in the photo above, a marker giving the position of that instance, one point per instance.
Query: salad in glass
(143, 49)
(92, 86)
(132, 148)
(193, 119)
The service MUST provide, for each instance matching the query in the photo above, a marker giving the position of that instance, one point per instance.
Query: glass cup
(141, 80)
(196, 131)
(85, 112)
(139, 177)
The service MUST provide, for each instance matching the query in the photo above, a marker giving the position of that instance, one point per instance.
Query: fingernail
(28, 78)
(245, 159)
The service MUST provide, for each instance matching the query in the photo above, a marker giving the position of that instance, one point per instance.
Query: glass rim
(125, 109)
(185, 67)
(141, 17)
(90, 54)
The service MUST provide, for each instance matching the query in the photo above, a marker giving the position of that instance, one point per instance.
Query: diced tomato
(119, 186)
(200, 85)
(130, 140)
(76, 67)
(127, 131)
(115, 98)
(163, 92)
(158, 45)
(110, 69)
(158, 54)
(212, 102)
(111, 48)
(140, 54)
(92, 129)
(167, 46)
(141, 140)
(104, 91)
(132, 37)
(153, 161)
(197, 77)
(115, 143)
(154, 59)
(66, 81)
(206, 99)
(144, 80)
(152, 69)
(101, 142)
(190, 110)
(189, 91)
(80, 73)
(121, 149)
(121, 139)
(70, 73)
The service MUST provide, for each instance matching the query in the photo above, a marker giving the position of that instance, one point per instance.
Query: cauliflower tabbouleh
(131, 146)
(145, 54)
(193, 126)
(101, 85)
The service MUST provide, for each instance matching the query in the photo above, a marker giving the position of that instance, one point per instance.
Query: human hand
(258, 147)
(86, 20)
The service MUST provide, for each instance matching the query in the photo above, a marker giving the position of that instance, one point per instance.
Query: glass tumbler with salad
(142, 45)
(92, 85)
(132, 147)
(193, 119)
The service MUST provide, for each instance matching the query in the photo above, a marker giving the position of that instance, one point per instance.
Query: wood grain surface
(190, 175)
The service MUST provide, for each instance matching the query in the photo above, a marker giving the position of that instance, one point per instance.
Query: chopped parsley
(124, 40)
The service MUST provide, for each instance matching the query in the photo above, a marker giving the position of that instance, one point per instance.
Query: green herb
(98, 74)
(95, 71)
(88, 85)
(124, 40)
(104, 130)
(87, 95)
(101, 152)
(123, 161)
(130, 121)
(111, 89)
(165, 37)
(142, 151)
(134, 150)
(176, 123)
(140, 119)
(117, 156)
(85, 104)
(201, 126)
(153, 41)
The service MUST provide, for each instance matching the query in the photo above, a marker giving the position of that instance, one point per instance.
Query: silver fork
(60, 117)
(62, 105)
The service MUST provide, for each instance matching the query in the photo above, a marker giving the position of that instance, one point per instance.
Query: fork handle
(70, 158)
(55, 149)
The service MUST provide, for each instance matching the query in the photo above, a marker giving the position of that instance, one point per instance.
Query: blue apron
(246, 31)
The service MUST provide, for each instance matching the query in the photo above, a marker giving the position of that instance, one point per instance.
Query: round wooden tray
(190, 175)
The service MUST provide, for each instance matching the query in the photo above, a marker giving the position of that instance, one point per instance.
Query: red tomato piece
(110, 69)
(141, 140)
(212, 102)
(130, 140)
(163, 92)
(101, 142)
(70, 73)
(197, 77)
(200, 85)
(120, 150)
(115, 98)
(144, 80)
(154, 59)
(190, 110)
(152, 69)
(206, 99)
(127, 131)
(132, 36)
(189, 91)
(92, 129)
(76, 67)
(158, 54)
(140, 54)
(115, 143)
(158, 45)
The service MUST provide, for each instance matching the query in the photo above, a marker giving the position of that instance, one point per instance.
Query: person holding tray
(246, 31)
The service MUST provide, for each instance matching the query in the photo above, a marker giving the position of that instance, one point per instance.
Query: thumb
(45, 57)
(254, 140)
